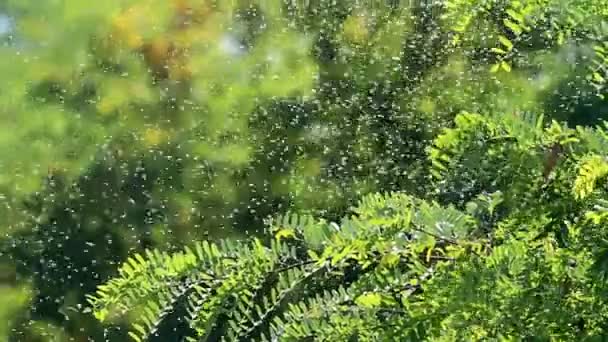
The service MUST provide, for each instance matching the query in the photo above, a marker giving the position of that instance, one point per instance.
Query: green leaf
(140, 329)
(101, 315)
(135, 337)
(506, 42)
(513, 26)
(390, 260)
(498, 51)
(369, 300)
(313, 255)
(598, 78)
(516, 16)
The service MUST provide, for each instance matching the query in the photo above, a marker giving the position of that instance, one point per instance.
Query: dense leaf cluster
(133, 125)
(519, 254)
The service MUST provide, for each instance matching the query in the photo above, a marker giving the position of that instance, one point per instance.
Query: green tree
(518, 255)
(147, 124)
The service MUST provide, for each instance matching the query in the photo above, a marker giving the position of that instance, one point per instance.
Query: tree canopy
(382, 170)
(499, 251)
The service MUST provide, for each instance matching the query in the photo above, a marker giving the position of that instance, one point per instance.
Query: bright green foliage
(281, 291)
(511, 254)
(592, 170)
(148, 124)
(514, 26)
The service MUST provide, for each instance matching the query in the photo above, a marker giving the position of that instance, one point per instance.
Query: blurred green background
(129, 124)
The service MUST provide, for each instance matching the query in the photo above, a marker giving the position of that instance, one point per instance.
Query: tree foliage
(516, 255)
(135, 125)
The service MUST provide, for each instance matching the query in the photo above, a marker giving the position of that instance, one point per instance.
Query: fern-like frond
(155, 285)
(511, 24)
(592, 169)
(309, 230)
(248, 291)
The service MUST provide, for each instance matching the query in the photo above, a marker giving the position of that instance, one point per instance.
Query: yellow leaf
(101, 315)
(429, 254)
(284, 233)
